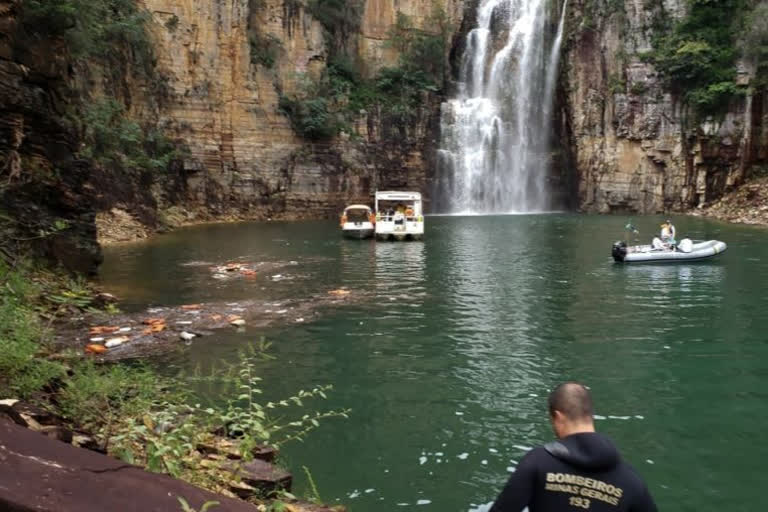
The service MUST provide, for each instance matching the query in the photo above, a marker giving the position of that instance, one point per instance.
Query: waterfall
(494, 153)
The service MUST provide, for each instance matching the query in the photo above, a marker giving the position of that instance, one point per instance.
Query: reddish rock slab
(44, 475)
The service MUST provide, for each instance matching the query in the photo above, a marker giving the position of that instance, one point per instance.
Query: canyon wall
(245, 160)
(634, 145)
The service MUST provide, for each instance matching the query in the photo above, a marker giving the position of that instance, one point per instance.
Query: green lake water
(447, 360)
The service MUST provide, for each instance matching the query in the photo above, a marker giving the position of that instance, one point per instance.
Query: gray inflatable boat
(686, 250)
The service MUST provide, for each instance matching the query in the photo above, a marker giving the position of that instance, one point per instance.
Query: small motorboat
(358, 222)
(658, 252)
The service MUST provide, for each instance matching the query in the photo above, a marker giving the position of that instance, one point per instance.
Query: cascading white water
(494, 153)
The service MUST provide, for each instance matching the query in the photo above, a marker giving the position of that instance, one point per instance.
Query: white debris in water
(483, 508)
(639, 417)
(422, 460)
(649, 461)
(620, 417)
(439, 461)
(369, 491)
(511, 469)
(424, 502)
(439, 454)
(125, 329)
(155, 310)
(534, 395)
(386, 471)
(444, 445)
(598, 417)
(403, 504)
(463, 456)
(232, 304)
(299, 320)
(459, 413)
(97, 339)
(484, 462)
(667, 347)
(354, 494)
(521, 447)
(184, 322)
(282, 312)
(493, 450)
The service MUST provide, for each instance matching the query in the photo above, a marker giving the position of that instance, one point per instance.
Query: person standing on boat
(582, 470)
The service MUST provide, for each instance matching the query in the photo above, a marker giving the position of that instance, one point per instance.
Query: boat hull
(646, 254)
(399, 237)
(357, 233)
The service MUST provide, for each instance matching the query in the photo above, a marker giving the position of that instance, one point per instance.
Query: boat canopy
(357, 207)
(398, 196)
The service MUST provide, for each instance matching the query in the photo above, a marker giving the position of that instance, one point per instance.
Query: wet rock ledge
(45, 467)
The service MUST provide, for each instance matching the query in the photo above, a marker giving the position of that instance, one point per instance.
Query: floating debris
(341, 292)
(187, 336)
(101, 329)
(114, 342)
(94, 348)
(190, 307)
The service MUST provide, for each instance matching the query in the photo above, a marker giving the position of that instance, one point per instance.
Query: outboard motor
(619, 251)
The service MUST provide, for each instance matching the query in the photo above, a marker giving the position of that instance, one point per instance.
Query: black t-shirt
(579, 472)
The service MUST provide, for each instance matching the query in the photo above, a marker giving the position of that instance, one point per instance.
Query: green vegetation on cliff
(114, 36)
(697, 55)
(330, 103)
(104, 29)
(110, 137)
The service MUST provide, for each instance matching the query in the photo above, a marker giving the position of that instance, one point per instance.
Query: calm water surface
(448, 360)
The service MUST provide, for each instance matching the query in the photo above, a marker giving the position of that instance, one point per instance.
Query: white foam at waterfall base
(494, 152)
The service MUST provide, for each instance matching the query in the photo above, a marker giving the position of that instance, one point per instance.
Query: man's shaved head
(573, 400)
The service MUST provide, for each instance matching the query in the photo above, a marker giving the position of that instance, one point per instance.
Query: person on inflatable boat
(667, 237)
(668, 232)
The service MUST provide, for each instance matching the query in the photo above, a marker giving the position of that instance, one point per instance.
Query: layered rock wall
(245, 159)
(634, 145)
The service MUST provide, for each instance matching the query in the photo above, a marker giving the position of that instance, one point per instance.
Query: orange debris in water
(215, 318)
(340, 292)
(101, 329)
(153, 321)
(95, 348)
(232, 318)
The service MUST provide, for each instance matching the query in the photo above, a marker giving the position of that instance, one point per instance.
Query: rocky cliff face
(40, 179)
(245, 160)
(634, 146)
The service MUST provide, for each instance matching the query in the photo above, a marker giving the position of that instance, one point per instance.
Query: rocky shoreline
(251, 480)
(747, 204)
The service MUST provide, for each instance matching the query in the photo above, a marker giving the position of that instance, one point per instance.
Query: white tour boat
(357, 222)
(399, 216)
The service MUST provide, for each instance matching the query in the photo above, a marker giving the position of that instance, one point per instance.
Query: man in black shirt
(582, 470)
